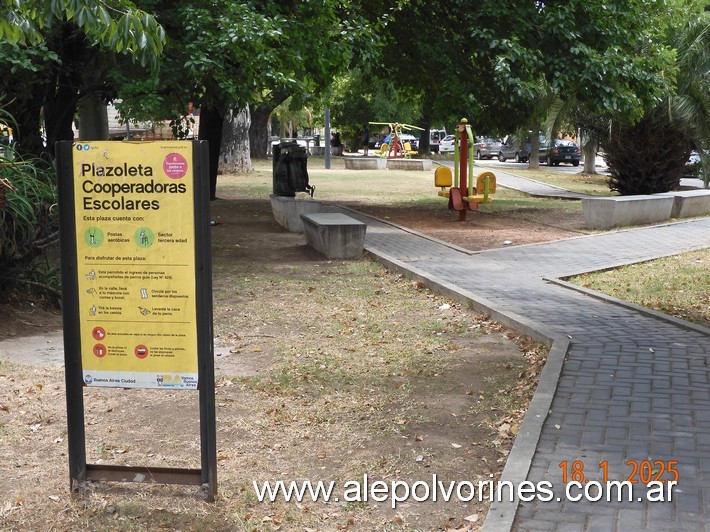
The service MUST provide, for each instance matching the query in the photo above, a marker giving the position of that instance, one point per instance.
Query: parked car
(512, 148)
(557, 151)
(446, 145)
(435, 138)
(692, 165)
(487, 147)
(375, 142)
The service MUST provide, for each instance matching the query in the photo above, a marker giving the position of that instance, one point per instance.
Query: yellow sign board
(134, 215)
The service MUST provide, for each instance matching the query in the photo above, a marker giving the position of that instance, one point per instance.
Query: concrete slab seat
(287, 211)
(335, 235)
(408, 164)
(319, 151)
(619, 211)
(689, 203)
(365, 163)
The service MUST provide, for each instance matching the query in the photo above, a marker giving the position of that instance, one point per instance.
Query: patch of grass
(675, 285)
(392, 188)
(507, 200)
(595, 185)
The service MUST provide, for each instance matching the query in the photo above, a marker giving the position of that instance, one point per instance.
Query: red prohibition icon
(141, 351)
(99, 333)
(100, 350)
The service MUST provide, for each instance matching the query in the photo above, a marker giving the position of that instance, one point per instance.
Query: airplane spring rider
(463, 196)
(396, 148)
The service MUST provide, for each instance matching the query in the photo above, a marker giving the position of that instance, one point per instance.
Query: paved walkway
(620, 385)
(534, 188)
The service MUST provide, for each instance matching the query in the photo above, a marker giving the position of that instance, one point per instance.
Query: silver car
(487, 147)
(512, 148)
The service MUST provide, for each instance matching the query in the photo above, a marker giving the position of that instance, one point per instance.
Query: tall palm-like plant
(691, 106)
(650, 156)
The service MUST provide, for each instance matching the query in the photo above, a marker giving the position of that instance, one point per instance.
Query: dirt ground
(262, 239)
(483, 230)
(325, 370)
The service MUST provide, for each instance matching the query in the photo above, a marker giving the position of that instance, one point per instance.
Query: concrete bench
(619, 211)
(319, 151)
(408, 164)
(287, 211)
(689, 203)
(365, 163)
(335, 235)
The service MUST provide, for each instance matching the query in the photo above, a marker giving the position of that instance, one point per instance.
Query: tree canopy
(115, 25)
(497, 63)
(55, 52)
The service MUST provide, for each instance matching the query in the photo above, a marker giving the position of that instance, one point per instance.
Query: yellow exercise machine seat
(485, 185)
(443, 178)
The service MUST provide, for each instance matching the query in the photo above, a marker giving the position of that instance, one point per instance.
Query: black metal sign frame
(79, 471)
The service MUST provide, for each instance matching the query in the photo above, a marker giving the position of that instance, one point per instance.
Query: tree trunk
(80, 68)
(424, 140)
(259, 131)
(49, 90)
(425, 122)
(534, 160)
(93, 118)
(59, 114)
(590, 156)
(211, 120)
(27, 127)
(234, 157)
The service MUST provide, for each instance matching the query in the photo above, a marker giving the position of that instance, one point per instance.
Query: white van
(435, 137)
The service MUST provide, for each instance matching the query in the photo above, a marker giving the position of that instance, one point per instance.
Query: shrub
(29, 227)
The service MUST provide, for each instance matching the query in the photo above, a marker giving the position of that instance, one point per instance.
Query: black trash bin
(290, 173)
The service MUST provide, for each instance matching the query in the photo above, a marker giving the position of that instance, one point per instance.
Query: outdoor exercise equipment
(463, 196)
(396, 148)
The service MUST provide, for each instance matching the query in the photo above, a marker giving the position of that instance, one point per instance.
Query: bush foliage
(29, 227)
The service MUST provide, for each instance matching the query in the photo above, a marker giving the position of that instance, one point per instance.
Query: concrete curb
(501, 516)
(632, 306)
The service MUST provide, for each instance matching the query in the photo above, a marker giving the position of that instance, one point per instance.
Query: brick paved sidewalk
(621, 386)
